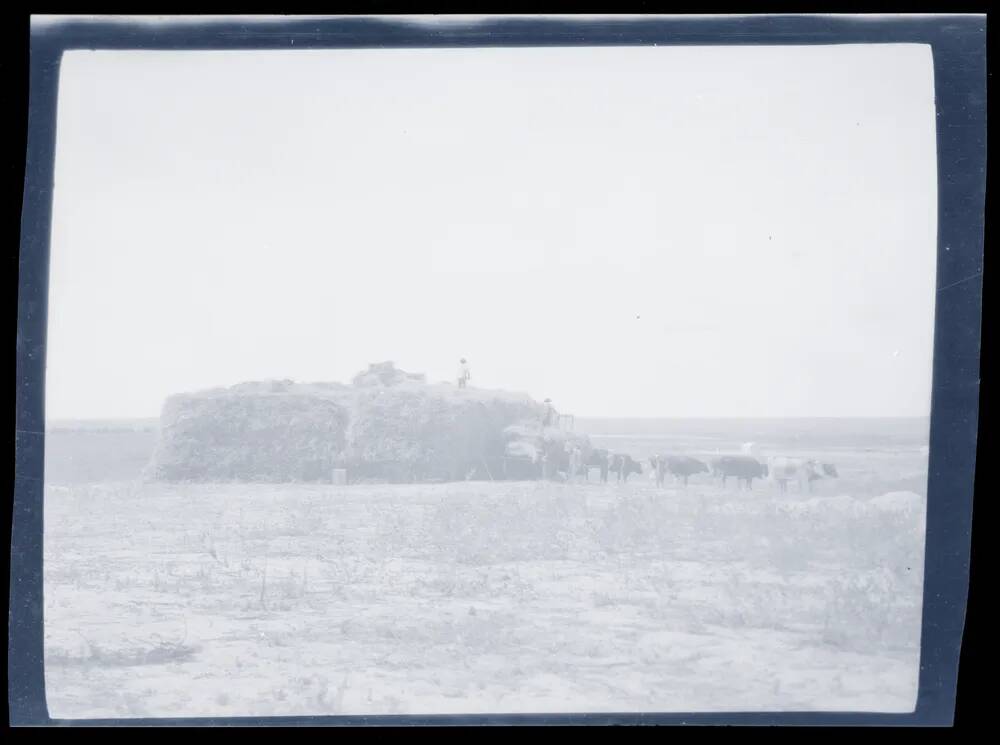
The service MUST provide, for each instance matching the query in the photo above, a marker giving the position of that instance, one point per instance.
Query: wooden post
(487, 469)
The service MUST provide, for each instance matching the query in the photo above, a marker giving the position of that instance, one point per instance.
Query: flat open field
(233, 600)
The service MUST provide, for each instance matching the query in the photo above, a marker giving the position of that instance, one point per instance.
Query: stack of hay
(388, 425)
(437, 431)
(386, 373)
(251, 432)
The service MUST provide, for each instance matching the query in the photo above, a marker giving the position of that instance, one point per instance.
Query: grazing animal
(623, 465)
(680, 466)
(826, 471)
(744, 468)
(782, 470)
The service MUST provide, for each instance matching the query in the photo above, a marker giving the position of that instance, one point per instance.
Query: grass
(474, 597)
(97, 655)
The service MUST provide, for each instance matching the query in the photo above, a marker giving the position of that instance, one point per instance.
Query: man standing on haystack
(463, 373)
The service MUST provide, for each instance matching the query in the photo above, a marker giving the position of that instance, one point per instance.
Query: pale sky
(681, 231)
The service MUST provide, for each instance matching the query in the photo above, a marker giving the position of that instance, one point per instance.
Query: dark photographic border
(959, 50)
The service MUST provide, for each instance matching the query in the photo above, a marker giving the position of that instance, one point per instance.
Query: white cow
(781, 470)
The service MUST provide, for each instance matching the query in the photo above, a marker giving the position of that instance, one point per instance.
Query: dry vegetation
(167, 600)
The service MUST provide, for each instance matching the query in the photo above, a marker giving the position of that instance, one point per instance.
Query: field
(473, 597)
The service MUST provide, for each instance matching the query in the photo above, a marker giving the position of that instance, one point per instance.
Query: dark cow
(623, 465)
(680, 466)
(744, 468)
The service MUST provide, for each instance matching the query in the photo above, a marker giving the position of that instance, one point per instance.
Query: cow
(750, 448)
(782, 470)
(744, 468)
(825, 471)
(680, 466)
(623, 465)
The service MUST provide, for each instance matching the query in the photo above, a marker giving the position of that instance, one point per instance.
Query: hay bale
(249, 434)
(523, 449)
(386, 373)
(389, 425)
(438, 430)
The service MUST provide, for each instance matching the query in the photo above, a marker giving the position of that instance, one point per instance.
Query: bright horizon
(65, 420)
(634, 232)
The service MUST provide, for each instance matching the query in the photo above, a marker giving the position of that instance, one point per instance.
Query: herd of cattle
(742, 468)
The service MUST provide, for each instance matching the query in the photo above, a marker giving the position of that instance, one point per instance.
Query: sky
(632, 232)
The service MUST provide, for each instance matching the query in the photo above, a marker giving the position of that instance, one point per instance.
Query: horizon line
(576, 416)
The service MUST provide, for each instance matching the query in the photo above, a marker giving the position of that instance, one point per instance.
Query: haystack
(437, 430)
(387, 425)
(386, 373)
(251, 432)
